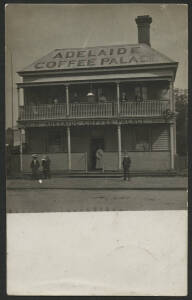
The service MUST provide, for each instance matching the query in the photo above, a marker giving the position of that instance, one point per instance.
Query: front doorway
(95, 144)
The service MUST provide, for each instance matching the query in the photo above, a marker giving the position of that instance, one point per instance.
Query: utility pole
(12, 104)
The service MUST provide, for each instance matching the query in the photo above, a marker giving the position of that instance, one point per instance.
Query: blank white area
(97, 253)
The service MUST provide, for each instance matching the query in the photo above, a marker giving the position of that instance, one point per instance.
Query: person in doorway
(126, 166)
(35, 167)
(99, 158)
(46, 166)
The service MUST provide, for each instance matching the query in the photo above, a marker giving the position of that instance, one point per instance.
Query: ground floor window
(55, 141)
(142, 139)
(145, 138)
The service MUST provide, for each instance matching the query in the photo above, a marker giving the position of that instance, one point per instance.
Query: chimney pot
(143, 24)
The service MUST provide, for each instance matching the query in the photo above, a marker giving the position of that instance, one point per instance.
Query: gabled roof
(98, 57)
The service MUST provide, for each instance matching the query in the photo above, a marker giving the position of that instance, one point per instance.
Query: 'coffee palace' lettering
(96, 57)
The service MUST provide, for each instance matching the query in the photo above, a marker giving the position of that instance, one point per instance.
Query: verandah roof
(91, 78)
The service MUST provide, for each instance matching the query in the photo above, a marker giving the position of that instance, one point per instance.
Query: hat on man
(34, 155)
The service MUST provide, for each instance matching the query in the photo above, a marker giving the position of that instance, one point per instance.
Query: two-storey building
(119, 98)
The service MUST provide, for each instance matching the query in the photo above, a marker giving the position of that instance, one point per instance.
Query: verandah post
(172, 108)
(21, 150)
(119, 145)
(172, 145)
(69, 147)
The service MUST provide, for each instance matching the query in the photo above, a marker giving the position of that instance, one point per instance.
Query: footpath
(136, 183)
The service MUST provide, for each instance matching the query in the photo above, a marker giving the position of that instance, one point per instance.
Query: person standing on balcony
(126, 166)
(55, 101)
(75, 98)
(35, 167)
(124, 97)
(102, 99)
(99, 158)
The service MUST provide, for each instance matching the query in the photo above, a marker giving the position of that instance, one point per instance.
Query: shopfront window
(142, 139)
(136, 138)
(55, 142)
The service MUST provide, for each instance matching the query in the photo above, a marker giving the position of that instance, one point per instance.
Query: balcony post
(119, 145)
(69, 147)
(18, 96)
(67, 98)
(18, 99)
(118, 98)
(172, 145)
(171, 96)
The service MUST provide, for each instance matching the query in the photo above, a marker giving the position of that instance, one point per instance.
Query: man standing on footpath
(126, 166)
(35, 167)
(46, 166)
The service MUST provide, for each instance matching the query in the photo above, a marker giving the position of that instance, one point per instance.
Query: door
(95, 144)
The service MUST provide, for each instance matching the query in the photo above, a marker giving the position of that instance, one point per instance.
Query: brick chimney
(143, 24)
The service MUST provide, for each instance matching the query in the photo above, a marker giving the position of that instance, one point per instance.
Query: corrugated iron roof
(98, 57)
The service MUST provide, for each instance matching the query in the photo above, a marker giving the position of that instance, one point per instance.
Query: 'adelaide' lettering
(58, 55)
(102, 52)
(121, 51)
(111, 51)
(91, 53)
(81, 53)
(70, 54)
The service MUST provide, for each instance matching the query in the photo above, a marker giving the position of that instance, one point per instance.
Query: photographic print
(96, 149)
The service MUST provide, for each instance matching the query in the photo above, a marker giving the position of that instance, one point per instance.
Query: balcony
(93, 110)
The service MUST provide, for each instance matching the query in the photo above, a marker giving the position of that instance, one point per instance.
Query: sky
(33, 30)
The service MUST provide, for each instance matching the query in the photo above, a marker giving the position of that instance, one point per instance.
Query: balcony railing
(145, 108)
(86, 110)
(43, 112)
(93, 110)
